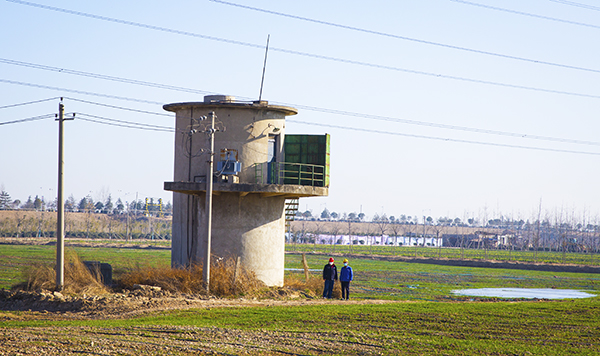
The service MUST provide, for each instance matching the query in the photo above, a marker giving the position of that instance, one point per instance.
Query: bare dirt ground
(48, 305)
(160, 339)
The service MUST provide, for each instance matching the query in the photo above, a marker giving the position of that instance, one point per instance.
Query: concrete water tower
(257, 168)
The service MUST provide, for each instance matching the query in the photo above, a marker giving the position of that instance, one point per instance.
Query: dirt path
(48, 305)
(159, 339)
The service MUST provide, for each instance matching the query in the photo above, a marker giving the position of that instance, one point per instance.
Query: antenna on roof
(264, 67)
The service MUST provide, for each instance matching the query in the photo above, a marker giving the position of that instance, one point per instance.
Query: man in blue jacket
(329, 277)
(346, 276)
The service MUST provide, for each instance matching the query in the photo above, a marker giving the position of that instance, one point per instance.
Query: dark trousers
(346, 290)
(328, 288)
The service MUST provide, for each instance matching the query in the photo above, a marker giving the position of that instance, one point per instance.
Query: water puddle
(302, 270)
(527, 293)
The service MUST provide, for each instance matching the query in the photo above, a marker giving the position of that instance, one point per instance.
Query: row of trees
(544, 220)
(326, 215)
(555, 232)
(87, 204)
(26, 223)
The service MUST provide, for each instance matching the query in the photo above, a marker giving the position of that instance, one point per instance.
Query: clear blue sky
(417, 127)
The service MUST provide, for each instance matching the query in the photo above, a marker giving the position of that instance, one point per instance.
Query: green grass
(453, 253)
(15, 258)
(426, 320)
(376, 279)
(421, 328)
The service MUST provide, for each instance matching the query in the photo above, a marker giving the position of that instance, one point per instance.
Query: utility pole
(208, 200)
(60, 219)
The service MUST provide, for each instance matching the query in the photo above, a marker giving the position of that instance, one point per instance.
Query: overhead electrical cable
(35, 118)
(98, 76)
(119, 107)
(576, 4)
(121, 123)
(523, 13)
(343, 113)
(445, 126)
(28, 103)
(311, 55)
(385, 34)
(79, 91)
(137, 82)
(443, 138)
(169, 128)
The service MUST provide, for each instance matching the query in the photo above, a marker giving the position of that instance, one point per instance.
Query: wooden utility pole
(60, 219)
(208, 200)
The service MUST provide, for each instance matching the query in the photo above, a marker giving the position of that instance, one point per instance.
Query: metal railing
(290, 173)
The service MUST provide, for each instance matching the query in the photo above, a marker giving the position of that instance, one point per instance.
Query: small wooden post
(236, 273)
(305, 265)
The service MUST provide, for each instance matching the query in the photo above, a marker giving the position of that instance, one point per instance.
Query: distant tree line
(557, 231)
(86, 218)
(87, 204)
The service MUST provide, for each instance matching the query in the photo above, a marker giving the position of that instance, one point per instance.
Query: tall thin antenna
(264, 67)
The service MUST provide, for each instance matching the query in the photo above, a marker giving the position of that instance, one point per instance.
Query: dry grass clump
(313, 286)
(77, 277)
(227, 278)
(184, 280)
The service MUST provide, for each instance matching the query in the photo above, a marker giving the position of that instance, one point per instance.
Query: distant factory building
(258, 174)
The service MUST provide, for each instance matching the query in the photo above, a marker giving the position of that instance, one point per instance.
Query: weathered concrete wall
(250, 226)
(246, 130)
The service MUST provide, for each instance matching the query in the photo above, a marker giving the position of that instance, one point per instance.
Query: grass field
(421, 328)
(15, 258)
(423, 318)
(413, 281)
(453, 253)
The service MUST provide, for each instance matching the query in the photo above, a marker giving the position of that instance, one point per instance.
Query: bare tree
(19, 219)
(396, 228)
(317, 230)
(437, 229)
(370, 232)
(303, 230)
(412, 230)
(596, 237)
(350, 235)
(335, 232)
(381, 222)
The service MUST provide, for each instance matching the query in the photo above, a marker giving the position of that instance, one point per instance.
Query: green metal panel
(309, 149)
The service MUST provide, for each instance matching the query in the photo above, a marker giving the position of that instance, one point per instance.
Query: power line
(445, 126)
(389, 35)
(443, 138)
(129, 122)
(28, 103)
(99, 76)
(102, 76)
(79, 91)
(523, 13)
(576, 4)
(118, 107)
(409, 122)
(122, 123)
(340, 112)
(35, 118)
(310, 55)
(149, 127)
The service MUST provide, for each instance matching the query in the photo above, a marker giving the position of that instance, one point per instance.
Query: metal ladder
(291, 208)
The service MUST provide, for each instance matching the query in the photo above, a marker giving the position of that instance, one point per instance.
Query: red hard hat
(330, 259)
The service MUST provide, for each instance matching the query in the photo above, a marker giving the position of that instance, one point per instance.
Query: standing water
(527, 293)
